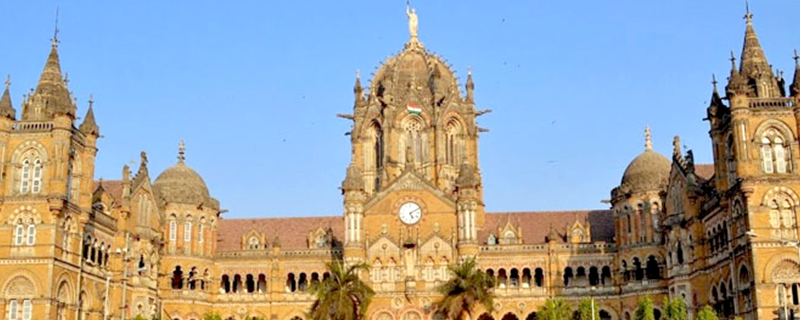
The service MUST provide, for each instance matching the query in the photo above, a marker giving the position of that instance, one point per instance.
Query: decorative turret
(89, 126)
(6, 108)
(470, 87)
(795, 88)
(51, 96)
(353, 181)
(467, 177)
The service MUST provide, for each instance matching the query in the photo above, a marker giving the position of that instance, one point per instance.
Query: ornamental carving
(25, 214)
(409, 183)
(786, 271)
(20, 287)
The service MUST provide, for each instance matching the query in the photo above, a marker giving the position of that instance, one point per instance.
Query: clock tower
(412, 194)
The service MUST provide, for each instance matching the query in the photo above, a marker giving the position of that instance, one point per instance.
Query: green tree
(212, 316)
(645, 309)
(342, 296)
(467, 287)
(675, 309)
(554, 309)
(707, 313)
(585, 310)
(139, 317)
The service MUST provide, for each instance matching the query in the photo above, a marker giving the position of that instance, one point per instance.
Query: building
(723, 234)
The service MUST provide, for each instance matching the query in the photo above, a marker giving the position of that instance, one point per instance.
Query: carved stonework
(786, 271)
(20, 287)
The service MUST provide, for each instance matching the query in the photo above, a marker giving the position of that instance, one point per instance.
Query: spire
(6, 108)
(51, 95)
(648, 145)
(89, 125)
(795, 88)
(676, 147)
(181, 152)
(470, 86)
(754, 64)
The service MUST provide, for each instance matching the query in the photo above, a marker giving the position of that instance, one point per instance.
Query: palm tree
(467, 287)
(342, 296)
(555, 309)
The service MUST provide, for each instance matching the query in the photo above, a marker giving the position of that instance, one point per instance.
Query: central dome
(414, 72)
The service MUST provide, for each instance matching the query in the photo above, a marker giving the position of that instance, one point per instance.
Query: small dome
(182, 185)
(414, 71)
(649, 171)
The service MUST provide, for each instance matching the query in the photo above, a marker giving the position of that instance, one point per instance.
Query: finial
(358, 74)
(8, 77)
(676, 145)
(648, 145)
(55, 31)
(748, 16)
(91, 100)
(733, 61)
(796, 59)
(181, 151)
(66, 78)
(469, 71)
(714, 81)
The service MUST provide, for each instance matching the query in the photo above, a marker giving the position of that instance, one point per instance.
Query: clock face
(410, 213)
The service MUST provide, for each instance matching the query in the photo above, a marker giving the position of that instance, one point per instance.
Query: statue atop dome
(413, 21)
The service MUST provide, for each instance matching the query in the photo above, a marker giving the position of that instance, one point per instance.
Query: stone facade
(723, 234)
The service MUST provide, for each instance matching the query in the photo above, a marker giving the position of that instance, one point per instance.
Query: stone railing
(33, 126)
(772, 103)
(104, 220)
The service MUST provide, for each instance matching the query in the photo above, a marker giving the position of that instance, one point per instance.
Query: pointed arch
(775, 139)
(453, 142)
(413, 141)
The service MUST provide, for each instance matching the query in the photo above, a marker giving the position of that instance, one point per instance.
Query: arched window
(373, 151)
(13, 308)
(200, 230)
(25, 182)
(414, 144)
(730, 160)
(173, 230)
(31, 234)
(452, 141)
(775, 156)
(19, 234)
(187, 231)
(36, 182)
(781, 217)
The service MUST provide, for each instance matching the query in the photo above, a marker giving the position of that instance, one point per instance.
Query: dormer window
(253, 243)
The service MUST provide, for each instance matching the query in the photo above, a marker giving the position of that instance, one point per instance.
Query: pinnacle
(89, 124)
(181, 152)
(648, 144)
(6, 108)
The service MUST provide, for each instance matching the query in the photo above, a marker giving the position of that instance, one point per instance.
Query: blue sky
(253, 86)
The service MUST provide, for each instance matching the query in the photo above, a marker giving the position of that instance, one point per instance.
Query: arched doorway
(510, 316)
(485, 316)
(532, 316)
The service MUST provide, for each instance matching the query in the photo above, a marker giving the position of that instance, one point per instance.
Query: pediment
(410, 180)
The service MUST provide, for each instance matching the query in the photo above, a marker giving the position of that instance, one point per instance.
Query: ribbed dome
(649, 171)
(180, 184)
(414, 71)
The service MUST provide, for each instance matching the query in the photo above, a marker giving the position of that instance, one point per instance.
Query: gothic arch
(27, 146)
(776, 124)
(26, 214)
(383, 315)
(20, 285)
(785, 271)
(774, 192)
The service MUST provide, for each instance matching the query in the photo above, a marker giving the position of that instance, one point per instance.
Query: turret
(7, 113)
(470, 87)
(469, 208)
(794, 90)
(89, 126)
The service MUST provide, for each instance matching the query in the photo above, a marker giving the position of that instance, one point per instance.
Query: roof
(293, 232)
(536, 225)
(112, 187)
(705, 171)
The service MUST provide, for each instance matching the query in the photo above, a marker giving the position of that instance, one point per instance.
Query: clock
(409, 213)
